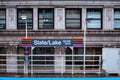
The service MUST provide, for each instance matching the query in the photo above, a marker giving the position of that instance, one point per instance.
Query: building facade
(57, 19)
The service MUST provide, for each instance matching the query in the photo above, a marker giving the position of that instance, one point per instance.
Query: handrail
(15, 63)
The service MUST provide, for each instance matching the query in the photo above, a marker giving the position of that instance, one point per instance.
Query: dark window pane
(78, 56)
(73, 23)
(46, 18)
(2, 19)
(28, 13)
(117, 13)
(117, 18)
(45, 13)
(73, 18)
(48, 23)
(43, 55)
(78, 51)
(73, 14)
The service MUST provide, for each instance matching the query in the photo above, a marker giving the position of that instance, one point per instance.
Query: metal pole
(26, 62)
(32, 60)
(84, 50)
(26, 28)
(72, 62)
(26, 65)
(24, 17)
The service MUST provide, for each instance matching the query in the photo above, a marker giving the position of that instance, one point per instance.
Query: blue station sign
(75, 42)
(51, 42)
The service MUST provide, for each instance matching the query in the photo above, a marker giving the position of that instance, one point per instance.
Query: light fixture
(23, 17)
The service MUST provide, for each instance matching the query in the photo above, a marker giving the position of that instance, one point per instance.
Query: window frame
(101, 19)
(3, 19)
(115, 18)
(46, 18)
(27, 19)
(80, 18)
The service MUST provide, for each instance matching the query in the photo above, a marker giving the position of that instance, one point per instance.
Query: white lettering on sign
(55, 42)
(52, 42)
(37, 42)
(46, 42)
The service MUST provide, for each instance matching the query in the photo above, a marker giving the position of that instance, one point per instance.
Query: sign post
(26, 43)
(26, 60)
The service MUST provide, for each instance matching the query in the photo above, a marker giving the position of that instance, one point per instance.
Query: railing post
(32, 60)
(100, 60)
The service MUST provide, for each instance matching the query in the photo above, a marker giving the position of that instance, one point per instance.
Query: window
(2, 18)
(3, 59)
(95, 57)
(78, 59)
(73, 18)
(94, 18)
(44, 55)
(29, 14)
(117, 18)
(46, 18)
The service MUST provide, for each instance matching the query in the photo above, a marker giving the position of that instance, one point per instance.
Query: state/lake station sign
(75, 42)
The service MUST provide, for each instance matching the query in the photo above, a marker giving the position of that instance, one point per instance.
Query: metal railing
(14, 63)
